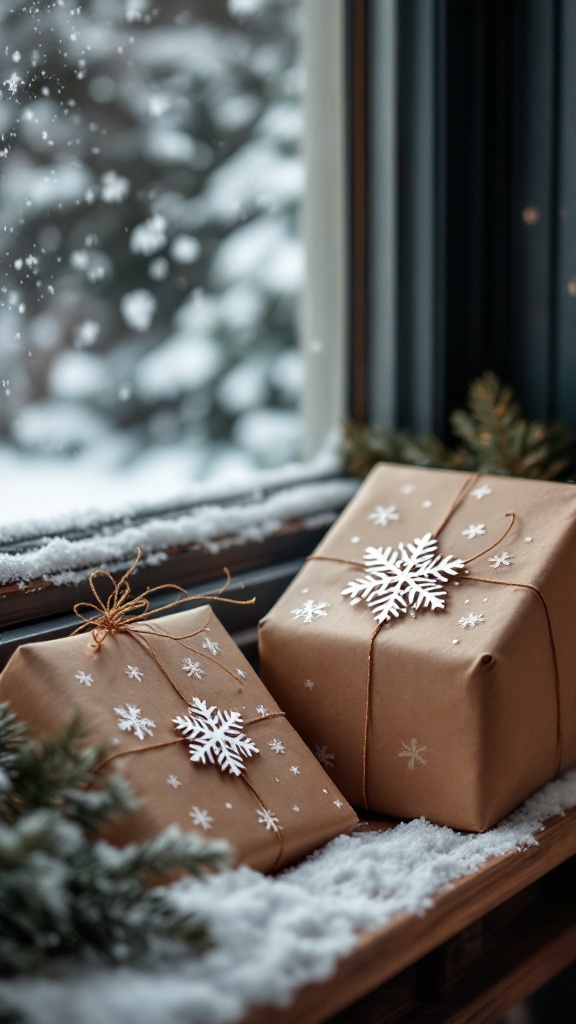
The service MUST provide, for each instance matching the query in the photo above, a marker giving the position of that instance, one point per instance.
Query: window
(153, 175)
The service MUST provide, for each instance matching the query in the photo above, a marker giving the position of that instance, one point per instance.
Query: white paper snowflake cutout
(382, 516)
(215, 737)
(410, 576)
(268, 819)
(414, 753)
(192, 668)
(295, 769)
(326, 759)
(133, 672)
(470, 621)
(497, 560)
(277, 746)
(130, 719)
(201, 818)
(85, 678)
(310, 610)
(211, 645)
(173, 781)
(472, 531)
(481, 492)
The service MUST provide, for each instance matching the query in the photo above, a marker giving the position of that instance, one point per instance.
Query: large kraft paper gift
(427, 650)
(259, 786)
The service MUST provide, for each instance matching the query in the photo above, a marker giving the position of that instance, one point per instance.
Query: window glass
(152, 265)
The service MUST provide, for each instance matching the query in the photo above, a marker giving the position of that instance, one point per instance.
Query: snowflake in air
(481, 492)
(269, 820)
(326, 759)
(129, 719)
(173, 781)
(497, 560)
(262, 710)
(215, 737)
(470, 621)
(474, 531)
(277, 746)
(192, 668)
(414, 754)
(310, 610)
(134, 673)
(382, 516)
(211, 645)
(84, 678)
(410, 576)
(201, 818)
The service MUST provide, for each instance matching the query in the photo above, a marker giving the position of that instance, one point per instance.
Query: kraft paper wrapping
(459, 719)
(46, 682)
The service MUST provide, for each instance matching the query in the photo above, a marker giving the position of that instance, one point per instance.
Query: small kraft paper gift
(427, 649)
(187, 721)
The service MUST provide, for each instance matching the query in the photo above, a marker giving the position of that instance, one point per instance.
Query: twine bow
(119, 612)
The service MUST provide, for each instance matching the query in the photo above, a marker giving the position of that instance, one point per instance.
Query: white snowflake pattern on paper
(414, 753)
(326, 759)
(173, 781)
(201, 818)
(192, 668)
(310, 610)
(407, 489)
(262, 710)
(277, 746)
(497, 560)
(472, 531)
(211, 645)
(130, 719)
(470, 621)
(85, 678)
(241, 673)
(528, 540)
(481, 492)
(338, 804)
(382, 516)
(295, 769)
(268, 819)
(133, 672)
(410, 576)
(215, 737)
(296, 809)
(309, 684)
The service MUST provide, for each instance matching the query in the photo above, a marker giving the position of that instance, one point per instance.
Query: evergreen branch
(61, 892)
(495, 436)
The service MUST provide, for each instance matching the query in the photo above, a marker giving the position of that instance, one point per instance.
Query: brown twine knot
(122, 608)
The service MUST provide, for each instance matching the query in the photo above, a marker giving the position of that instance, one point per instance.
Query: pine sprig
(62, 892)
(495, 436)
(502, 441)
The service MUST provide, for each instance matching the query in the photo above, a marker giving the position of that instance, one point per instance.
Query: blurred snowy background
(149, 204)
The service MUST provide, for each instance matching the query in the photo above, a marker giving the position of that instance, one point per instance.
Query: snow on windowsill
(217, 514)
(275, 935)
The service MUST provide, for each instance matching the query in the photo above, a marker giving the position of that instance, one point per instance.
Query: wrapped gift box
(427, 650)
(175, 688)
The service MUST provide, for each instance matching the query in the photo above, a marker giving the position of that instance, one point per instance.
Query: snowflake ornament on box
(268, 819)
(192, 668)
(413, 752)
(201, 818)
(211, 645)
(310, 610)
(382, 516)
(130, 720)
(410, 577)
(85, 678)
(215, 737)
(470, 621)
(497, 560)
